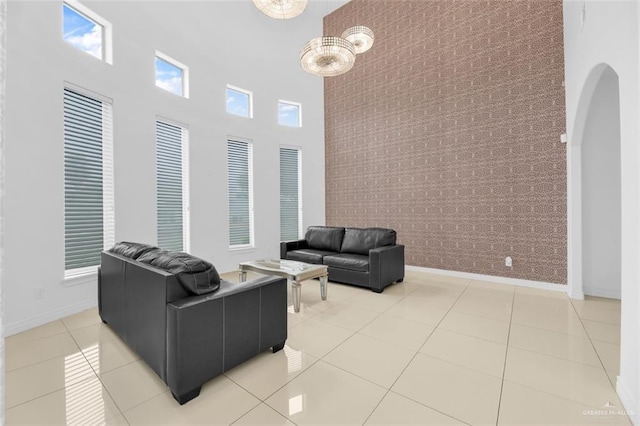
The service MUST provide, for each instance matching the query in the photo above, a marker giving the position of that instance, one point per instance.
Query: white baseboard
(502, 280)
(19, 326)
(630, 404)
(603, 292)
(576, 294)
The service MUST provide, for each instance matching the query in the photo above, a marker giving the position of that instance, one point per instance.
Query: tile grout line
(506, 354)
(414, 357)
(321, 358)
(104, 387)
(248, 411)
(358, 331)
(594, 347)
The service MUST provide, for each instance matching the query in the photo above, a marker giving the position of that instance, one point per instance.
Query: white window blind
(290, 199)
(88, 181)
(171, 183)
(240, 188)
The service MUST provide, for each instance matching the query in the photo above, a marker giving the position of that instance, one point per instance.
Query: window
(88, 181)
(240, 176)
(290, 194)
(289, 114)
(239, 102)
(86, 31)
(171, 75)
(172, 177)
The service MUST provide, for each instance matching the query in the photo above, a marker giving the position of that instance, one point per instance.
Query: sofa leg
(187, 396)
(377, 290)
(277, 347)
(400, 280)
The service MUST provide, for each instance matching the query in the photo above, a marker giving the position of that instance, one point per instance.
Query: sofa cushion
(131, 250)
(324, 238)
(354, 262)
(196, 275)
(309, 255)
(360, 241)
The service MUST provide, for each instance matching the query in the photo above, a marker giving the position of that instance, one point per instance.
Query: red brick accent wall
(448, 131)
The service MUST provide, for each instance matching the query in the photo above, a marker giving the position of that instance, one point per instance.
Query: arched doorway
(595, 237)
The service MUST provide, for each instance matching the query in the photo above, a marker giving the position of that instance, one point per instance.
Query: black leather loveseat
(366, 257)
(185, 322)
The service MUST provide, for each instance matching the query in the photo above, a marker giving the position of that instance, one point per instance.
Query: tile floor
(431, 350)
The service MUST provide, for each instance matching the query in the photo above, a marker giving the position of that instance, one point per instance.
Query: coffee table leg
(296, 289)
(243, 275)
(323, 287)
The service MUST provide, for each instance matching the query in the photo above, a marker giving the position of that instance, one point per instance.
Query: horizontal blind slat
(289, 194)
(85, 124)
(239, 192)
(169, 184)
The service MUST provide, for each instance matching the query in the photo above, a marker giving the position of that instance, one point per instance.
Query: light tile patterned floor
(430, 350)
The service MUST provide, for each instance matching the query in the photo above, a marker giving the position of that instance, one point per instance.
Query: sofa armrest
(209, 334)
(386, 265)
(287, 246)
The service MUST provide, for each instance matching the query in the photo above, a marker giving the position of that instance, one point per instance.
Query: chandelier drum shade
(360, 36)
(327, 56)
(281, 9)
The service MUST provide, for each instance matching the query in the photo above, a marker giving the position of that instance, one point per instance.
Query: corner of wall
(631, 407)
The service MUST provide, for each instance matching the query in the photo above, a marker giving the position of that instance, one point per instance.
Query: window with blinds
(290, 194)
(171, 186)
(240, 176)
(88, 181)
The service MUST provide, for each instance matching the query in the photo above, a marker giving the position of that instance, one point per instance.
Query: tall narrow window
(240, 178)
(85, 30)
(171, 181)
(290, 194)
(88, 181)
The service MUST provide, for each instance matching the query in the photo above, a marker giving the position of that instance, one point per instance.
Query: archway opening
(601, 190)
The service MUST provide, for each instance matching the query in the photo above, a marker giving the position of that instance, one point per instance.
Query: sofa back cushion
(196, 275)
(324, 238)
(131, 250)
(360, 241)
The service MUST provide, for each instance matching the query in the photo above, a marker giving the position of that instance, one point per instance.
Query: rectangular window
(290, 194)
(240, 177)
(289, 114)
(239, 102)
(172, 179)
(86, 31)
(171, 75)
(88, 181)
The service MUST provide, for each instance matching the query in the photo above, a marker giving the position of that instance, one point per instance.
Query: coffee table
(294, 271)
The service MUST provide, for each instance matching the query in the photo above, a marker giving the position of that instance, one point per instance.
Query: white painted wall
(608, 34)
(601, 215)
(3, 67)
(222, 42)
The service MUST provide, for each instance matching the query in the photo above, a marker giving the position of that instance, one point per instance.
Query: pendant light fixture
(281, 9)
(360, 36)
(329, 56)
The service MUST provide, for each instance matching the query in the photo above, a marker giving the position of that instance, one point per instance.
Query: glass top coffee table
(296, 272)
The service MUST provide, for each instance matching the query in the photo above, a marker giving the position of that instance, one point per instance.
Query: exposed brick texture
(448, 131)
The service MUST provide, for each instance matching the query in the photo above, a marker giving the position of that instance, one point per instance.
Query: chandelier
(329, 56)
(360, 36)
(281, 9)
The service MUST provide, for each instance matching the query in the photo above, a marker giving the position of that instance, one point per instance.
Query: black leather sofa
(366, 257)
(185, 322)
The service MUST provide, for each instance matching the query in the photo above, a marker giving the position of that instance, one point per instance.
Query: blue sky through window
(169, 77)
(237, 102)
(81, 32)
(288, 114)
